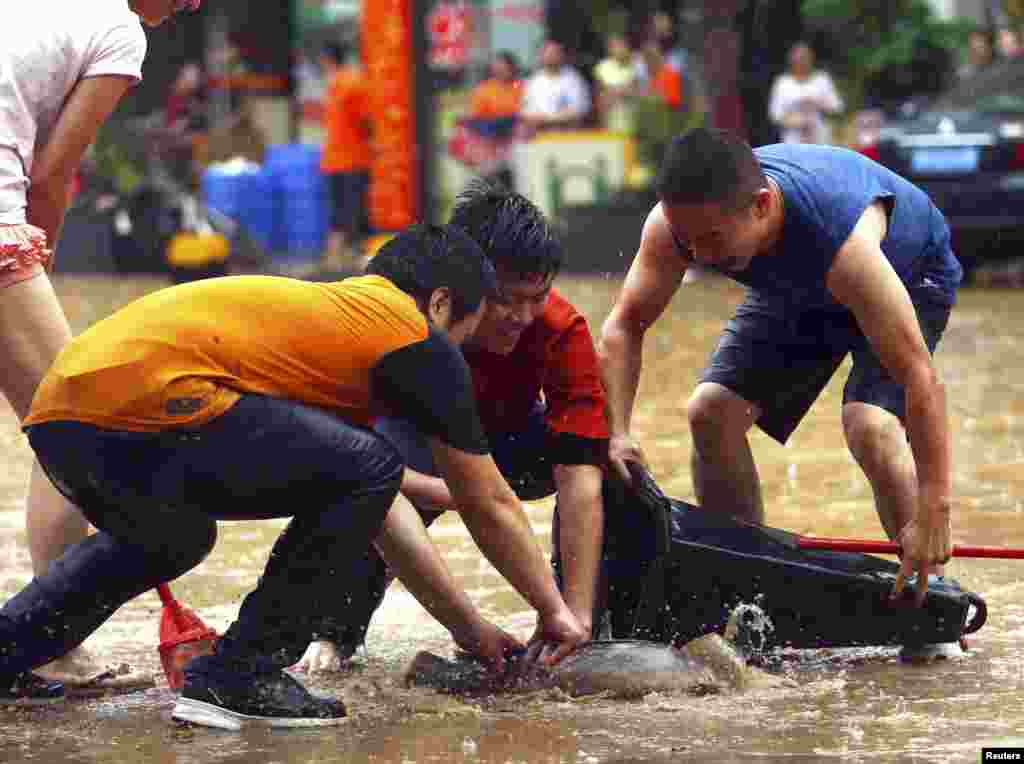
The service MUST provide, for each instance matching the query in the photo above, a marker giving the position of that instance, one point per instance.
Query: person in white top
(617, 78)
(801, 98)
(64, 67)
(556, 96)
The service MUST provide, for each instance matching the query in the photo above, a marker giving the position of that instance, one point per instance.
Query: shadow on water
(851, 705)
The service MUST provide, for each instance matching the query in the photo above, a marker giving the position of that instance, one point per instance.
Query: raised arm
(91, 102)
(652, 280)
(863, 280)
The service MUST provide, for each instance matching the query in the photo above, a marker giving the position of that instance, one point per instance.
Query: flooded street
(849, 705)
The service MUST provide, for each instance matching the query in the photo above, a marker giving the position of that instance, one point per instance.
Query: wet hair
(709, 166)
(334, 51)
(426, 257)
(514, 234)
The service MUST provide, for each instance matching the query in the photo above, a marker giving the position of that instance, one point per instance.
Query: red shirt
(555, 357)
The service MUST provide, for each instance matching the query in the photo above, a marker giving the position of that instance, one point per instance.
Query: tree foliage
(886, 50)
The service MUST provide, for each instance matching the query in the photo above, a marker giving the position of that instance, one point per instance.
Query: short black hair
(335, 51)
(709, 166)
(426, 257)
(514, 234)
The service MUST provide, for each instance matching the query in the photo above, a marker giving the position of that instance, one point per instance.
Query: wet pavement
(847, 705)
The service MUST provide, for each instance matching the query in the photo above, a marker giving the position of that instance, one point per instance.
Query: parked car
(966, 149)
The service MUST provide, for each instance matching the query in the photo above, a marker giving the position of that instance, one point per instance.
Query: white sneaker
(933, 652)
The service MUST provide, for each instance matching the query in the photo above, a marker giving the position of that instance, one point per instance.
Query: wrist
(935, 503)
(464, 630)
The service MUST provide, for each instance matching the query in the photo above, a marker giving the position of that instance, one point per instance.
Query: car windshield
(997, 89)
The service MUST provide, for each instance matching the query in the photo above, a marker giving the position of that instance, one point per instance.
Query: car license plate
(945, 160)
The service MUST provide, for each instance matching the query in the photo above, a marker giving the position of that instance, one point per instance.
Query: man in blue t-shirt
(840, 256)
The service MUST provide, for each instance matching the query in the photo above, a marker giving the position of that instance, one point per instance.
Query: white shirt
(805, 102)
(46, 47)
(547, 94)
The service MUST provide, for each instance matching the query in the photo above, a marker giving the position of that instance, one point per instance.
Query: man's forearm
(581, 531)
(503, 533)
(47, 204)
(620, 353)
(928, 432)
(405, 546)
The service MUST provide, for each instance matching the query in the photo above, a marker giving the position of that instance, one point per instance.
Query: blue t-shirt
(826, 191)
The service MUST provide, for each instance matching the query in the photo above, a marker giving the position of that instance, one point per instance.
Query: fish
(621, 668)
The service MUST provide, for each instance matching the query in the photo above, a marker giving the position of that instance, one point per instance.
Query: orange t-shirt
(668, 83)
(496, 98)
(346, 110)
(183, 355)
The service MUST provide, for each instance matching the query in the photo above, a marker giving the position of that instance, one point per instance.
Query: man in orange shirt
(249, 397)
(345, 161)
(499, 96)
(490, 129)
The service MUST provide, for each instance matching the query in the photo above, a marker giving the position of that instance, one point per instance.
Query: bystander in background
(1008, 42)
(346, 155)
(802, 97)
(978, 55)
(483, 138)
(665, 81)
(557, 96)
(617, 80)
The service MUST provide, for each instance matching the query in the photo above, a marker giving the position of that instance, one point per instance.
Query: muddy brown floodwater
(851, 705)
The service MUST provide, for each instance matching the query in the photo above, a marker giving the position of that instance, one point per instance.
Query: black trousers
(156, 499)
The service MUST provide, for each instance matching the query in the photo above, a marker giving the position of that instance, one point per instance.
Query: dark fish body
(622, 668)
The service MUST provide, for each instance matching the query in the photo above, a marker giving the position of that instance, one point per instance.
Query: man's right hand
(556, 636)
(489, 643)
(621, 449)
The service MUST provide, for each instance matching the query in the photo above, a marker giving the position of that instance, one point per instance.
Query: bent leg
(878, 442)
(33, 329)
(141, 543)
(874, 409)
(346, 621)
(724, 474)
(82, 589)
(769, 367)
(337, 482)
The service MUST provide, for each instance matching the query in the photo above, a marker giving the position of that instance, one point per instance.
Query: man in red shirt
(541, 402)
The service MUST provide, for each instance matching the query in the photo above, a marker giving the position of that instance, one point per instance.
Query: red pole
(888, 547)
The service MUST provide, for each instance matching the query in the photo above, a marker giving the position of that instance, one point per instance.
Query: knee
(873, 436)
(715, 414)
(191, 544)
(383, 469)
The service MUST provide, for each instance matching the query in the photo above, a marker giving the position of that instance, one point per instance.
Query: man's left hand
(926, 542)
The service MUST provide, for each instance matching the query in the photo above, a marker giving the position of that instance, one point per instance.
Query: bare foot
(77, 667)
(323, 657)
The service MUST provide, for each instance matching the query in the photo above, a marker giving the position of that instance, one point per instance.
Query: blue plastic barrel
(302, 192)
(260, 210)
(222, 191)
(249, 198)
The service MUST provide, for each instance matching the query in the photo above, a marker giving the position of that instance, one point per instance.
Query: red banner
(387, 43)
